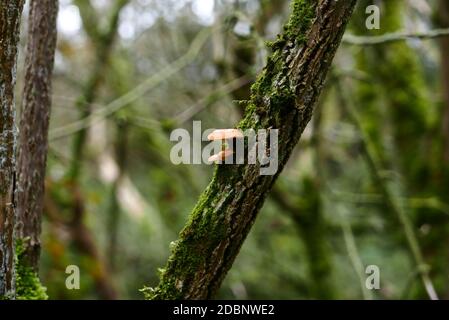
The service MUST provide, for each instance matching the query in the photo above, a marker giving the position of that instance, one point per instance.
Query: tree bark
(34, 122)
(283, 98)
(10, 14)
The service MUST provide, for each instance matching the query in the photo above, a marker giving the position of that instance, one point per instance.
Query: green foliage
(298, 254)
(303, 11)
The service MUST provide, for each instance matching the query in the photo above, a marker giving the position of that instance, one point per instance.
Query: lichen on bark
(10, 14)
(282, 98)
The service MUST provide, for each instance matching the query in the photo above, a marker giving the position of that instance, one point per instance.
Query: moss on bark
(28, 285)
(10, 16)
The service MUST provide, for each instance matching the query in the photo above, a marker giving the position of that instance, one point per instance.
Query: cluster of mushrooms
(226, 136)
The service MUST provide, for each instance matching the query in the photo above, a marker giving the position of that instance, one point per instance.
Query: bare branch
(393, 37)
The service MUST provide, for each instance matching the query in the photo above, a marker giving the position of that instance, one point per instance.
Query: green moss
(28, 285)
(205, 222)
(271, 93)
(300, 20)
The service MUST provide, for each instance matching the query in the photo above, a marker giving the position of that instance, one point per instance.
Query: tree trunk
(10, 14)
(103, 41)
(34, 121)
(283, 98)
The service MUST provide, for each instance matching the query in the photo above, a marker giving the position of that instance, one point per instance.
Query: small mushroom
(222, 155)
(224, 134)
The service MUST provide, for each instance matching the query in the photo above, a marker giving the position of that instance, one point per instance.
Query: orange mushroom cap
(222, 134)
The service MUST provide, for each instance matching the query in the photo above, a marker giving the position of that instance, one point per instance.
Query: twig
(353, 254)
(203, 103)
(393, 37)
(373, 198)
(135, 93)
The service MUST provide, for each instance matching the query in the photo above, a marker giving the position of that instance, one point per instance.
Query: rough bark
(283, 98)
(307, 216)
(34, 122)
(10, 14)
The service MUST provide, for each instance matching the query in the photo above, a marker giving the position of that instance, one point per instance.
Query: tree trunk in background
(121, 154)
(103, 41)
(283, 97)
(444, 23)
(404, 93)
(34, 122)
(10, 14)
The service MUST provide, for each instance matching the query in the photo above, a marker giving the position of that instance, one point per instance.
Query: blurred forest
(367, 184)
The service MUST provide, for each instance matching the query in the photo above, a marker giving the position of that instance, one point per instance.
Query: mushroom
(220, 156)
(224, 134)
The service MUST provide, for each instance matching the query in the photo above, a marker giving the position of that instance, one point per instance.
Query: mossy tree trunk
(282, 98)
(306, 215)
(10, 14)
(34, 122)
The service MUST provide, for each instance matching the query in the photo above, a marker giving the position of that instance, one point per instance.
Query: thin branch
(373, 198)
(203, 103)
(393, 37)
(135, 93)
(353, 254)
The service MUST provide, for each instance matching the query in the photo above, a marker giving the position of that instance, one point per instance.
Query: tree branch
(283, 97)
(394, 37)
